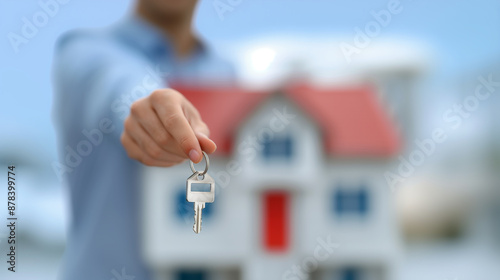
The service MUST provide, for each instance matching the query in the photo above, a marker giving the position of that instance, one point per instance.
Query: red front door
(276, 221)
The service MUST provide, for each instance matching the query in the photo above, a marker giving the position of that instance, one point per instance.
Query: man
(114, 111)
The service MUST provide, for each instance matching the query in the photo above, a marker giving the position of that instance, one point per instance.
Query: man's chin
(171, 8)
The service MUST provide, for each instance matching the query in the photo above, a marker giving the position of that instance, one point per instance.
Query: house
(300, 192)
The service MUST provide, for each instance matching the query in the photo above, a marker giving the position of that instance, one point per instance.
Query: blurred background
(425, 60)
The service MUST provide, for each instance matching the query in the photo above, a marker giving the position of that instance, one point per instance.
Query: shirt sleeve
(96, 80)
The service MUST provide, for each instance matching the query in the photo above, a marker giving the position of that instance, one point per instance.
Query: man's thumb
(206, 143)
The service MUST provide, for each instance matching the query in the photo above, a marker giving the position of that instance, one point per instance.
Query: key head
(194, 194)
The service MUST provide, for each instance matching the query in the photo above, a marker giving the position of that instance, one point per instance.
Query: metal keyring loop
(191, 164)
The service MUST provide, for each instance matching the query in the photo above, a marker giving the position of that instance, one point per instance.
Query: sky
(463, 36)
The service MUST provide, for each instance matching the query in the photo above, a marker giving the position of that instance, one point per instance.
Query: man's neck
(177, 30)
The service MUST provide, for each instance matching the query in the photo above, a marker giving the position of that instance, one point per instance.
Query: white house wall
(372, 237)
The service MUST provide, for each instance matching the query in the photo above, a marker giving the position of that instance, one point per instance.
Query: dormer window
(278, 147)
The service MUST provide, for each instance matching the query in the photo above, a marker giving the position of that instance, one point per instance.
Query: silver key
(197, 195)
(198, 210)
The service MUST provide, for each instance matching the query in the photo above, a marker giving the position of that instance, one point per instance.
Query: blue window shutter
(338, 202)
(288, 147)
(363, 201)
(182, 206)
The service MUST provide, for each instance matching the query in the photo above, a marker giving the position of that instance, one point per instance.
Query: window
(349, 273)
(185, 209)
(191, 275)
(279, 146)
(351, 201)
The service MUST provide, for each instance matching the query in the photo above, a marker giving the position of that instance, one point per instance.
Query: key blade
(198, 210)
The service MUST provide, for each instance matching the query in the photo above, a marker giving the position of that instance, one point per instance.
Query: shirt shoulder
(92, 47)
(94, 58)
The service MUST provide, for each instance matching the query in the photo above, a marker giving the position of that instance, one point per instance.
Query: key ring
(205, 156)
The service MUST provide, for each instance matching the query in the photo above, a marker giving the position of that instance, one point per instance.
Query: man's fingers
(153, 126)
(177, 125)
(200, 127)
(202, 133)
(135, 151)
(145, 142)
(206, 143)
(131, 147)
(153, 162)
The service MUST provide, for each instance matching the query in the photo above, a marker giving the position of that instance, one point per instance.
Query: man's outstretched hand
(164, 129)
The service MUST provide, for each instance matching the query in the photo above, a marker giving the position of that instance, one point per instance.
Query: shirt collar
(149, 39)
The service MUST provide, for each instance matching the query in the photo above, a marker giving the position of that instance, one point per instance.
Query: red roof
(353, 122)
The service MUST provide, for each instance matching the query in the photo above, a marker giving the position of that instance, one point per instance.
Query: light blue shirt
(97, 75)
